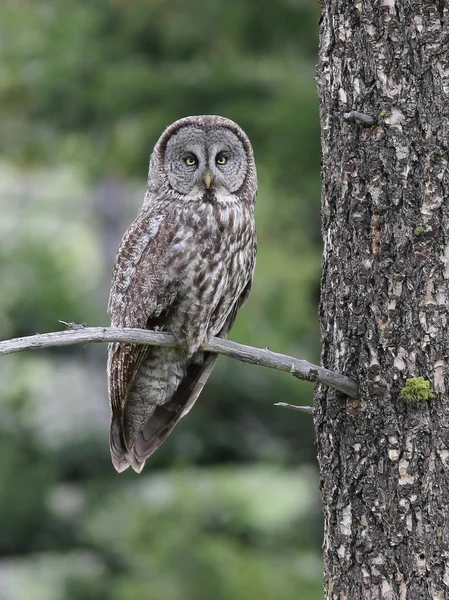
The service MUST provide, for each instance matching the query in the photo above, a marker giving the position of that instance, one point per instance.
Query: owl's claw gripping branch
(301, 369)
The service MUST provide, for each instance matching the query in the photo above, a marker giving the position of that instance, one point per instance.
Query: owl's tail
(162, 420)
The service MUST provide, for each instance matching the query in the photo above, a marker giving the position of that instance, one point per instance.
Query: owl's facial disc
(199, 159)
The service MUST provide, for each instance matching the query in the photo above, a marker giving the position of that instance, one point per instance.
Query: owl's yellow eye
(190, 161)
(221, 159)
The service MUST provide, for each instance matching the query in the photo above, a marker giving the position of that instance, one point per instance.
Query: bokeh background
(229, 506)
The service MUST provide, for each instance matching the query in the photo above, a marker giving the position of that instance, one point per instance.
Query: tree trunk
(384, 311)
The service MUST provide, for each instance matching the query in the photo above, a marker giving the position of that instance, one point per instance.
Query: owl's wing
(233, 312)
(139, 298)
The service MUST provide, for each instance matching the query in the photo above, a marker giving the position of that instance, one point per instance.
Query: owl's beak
(208, 179)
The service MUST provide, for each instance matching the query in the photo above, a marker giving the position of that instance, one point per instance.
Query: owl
(184, 266)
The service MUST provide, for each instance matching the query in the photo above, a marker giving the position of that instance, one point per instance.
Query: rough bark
(385, 299)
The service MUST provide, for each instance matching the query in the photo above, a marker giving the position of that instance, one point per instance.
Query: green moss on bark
(416, 390)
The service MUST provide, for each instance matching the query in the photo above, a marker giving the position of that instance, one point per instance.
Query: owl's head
(202, 153)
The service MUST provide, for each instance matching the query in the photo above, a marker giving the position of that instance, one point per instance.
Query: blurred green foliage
(222, 510)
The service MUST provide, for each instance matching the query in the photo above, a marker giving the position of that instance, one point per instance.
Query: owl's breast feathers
(186, 271)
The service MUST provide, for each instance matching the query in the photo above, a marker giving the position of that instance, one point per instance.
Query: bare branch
(306, 409)
(302, 369)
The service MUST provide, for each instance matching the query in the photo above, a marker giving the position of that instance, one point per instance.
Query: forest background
(229, 507)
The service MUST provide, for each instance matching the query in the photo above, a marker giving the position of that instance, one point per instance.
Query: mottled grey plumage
(185, 265)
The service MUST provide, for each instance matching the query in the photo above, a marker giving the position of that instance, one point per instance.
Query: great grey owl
(185, 266)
